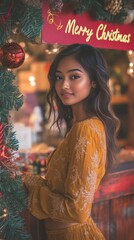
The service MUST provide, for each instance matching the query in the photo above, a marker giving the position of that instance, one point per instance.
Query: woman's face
(72, 84)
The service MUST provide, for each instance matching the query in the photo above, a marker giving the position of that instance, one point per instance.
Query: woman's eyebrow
(70, 70)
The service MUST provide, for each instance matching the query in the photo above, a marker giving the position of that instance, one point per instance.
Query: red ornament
(12, 55)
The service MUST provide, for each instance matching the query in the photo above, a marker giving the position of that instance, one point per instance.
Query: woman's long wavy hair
(97, 103)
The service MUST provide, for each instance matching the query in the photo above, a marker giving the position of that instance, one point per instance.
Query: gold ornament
(114, 6)
(129, 17)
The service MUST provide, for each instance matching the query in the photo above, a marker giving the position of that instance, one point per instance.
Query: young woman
(79, 86)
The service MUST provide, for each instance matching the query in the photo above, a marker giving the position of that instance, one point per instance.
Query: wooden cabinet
(120, 104)
(123, 106)
(120, 99)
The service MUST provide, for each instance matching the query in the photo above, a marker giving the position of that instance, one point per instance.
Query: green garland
(26, 21)
(22, 18)
(97, 11)
(12, 195)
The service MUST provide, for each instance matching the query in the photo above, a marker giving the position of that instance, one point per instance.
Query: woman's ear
(93, 84)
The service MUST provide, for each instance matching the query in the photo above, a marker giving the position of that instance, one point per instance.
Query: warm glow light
(48, 51)
(22, 44)
(55, 50)
(4, 213)
(32, 84)
(32, 81)
(131, 64)
(52, 49)
(130, 70)
(130, 52)
(26, 55)
(31, 78)
(10, 40)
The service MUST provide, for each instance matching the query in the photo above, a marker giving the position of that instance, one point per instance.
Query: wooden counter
(113, 207)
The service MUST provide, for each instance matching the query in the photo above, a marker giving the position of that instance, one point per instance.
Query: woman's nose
(65, 84)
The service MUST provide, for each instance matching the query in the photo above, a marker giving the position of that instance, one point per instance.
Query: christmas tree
(16, 17)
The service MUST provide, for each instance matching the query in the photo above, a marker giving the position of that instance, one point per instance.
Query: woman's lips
(66, 95)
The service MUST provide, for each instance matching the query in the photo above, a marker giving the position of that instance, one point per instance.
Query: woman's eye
(73, 77)
(57, 77)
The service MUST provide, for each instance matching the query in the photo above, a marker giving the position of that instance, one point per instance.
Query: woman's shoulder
(87, 126)
(89, 123)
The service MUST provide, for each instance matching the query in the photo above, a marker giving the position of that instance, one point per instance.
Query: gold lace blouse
(74, 172)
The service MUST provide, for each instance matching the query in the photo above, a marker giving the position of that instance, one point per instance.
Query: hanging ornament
(33, 3)
(129, 17)
(113, 6)
(12, 55)
(55, 5)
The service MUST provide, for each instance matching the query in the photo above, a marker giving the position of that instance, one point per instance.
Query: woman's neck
(79, 113)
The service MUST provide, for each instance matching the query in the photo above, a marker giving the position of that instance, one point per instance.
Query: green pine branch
(12, 228)
(12, 195)
(27, 19)
(10, 97)
(31, 23)
(97, 11)
(13, 199)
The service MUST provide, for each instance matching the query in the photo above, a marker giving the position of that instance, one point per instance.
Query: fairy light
(130, 70)
(52, 49)
(130, 52)
(131, 64)
(26, 55)
(4, 213)
(55, 48)
(32, 81)
(22, 44)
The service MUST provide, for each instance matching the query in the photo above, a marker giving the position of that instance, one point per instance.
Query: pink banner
(66, 28)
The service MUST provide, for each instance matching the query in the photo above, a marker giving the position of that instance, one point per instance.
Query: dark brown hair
(98, 102)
